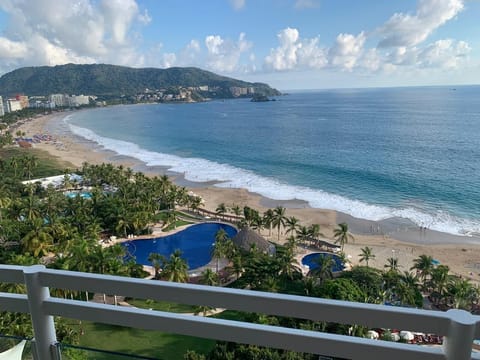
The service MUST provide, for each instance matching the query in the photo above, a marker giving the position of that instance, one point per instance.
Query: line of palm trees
(277, 219)
(443, 289)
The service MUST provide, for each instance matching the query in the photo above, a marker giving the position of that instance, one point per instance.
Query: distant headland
(108, 82)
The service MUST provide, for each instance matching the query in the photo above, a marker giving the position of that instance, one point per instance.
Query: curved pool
(310, 260)
(195, 243)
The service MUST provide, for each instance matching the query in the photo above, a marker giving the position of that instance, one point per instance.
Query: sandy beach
(391, 237)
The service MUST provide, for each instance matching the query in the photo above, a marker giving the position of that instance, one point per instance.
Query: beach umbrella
(372, 334)
(406, 335)
(395, 337)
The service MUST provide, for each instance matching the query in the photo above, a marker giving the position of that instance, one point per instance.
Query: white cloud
(169, 60)
(295, 53)
(284, 57)
(12, 49)
(410, 30)
(445, 54)
(51, 32)
(238, 4)
(47, 53)
(118, 16)
(346, 50)
(223, 55)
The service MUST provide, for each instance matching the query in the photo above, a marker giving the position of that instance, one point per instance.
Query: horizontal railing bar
(240, 332)
(302, 307)
(14, 302)
(12, 274)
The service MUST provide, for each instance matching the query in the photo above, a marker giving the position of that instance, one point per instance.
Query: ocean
(375, 154)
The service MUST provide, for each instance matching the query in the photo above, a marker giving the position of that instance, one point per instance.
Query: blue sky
(290, 44)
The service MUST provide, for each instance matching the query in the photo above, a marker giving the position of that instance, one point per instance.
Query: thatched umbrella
(246, 237)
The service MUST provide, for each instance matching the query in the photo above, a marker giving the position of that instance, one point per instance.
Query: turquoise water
(372, 153)
(311, 260)
(82, 194)
(195, 243)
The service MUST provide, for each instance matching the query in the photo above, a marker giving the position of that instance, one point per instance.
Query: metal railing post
(43, 325)
(457, 344)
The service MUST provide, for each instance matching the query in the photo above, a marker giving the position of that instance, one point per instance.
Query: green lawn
(140, 342)
(47, 164)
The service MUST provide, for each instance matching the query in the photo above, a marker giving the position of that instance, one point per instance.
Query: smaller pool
(311, 260)
(82, 194)
(435, 262)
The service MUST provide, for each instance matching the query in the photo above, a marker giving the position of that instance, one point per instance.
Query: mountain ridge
(114, 80)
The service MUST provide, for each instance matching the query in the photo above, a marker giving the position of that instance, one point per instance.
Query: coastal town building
(13, 105)
(2, 112)
(78, 100)
(241, 91)
(58, 99)
(23, 99)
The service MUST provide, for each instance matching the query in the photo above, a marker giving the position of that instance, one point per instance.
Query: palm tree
(171, 219)
(268, 217)
(279, 218)
(219, 247)
(324, 267)
(342, 235)
(303, 234)
(289, 266)
(157, 261)
(392, 264)
(236, 210)
(221, 209)
(209, 277)
(29, 163)
(175, 268)
(366, 255)
(463, 293)
(439, 280)
(195, 203)
(14, 162)
(292, 225)
(38, 239)
(314, 233)
(237, 265)
(424, 266)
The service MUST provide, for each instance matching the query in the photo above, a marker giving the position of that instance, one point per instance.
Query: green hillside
(112, 80)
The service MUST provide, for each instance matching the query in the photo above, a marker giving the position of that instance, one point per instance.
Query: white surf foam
(201, 170)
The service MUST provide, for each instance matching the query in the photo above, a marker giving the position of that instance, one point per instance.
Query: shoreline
(390, 237)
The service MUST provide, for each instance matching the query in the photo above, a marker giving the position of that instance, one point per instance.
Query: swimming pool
(195, 243)
(310, 260)
(82, 194)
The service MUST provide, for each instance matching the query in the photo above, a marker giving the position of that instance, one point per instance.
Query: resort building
(23, 99)
(2, 111)
(58, 99)
(13, 105)
(78, 100)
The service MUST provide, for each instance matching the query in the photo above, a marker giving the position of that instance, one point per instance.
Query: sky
(289, 44)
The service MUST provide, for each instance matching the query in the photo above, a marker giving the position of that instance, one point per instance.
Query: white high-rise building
(2, 111)
(78, 100)
(58, 99)
(13, 105)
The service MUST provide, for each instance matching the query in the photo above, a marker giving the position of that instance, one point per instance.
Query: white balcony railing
(458, 327)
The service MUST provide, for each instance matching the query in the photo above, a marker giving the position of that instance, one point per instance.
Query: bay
(371, 153)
